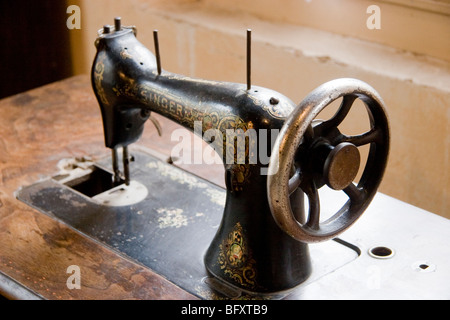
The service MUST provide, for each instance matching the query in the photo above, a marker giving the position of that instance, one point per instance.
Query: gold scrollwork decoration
(98, 77)
(235, 258)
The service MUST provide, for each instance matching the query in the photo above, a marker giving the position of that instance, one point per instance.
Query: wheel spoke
(362, 139)
(354, 193)
(314, 206)
(339, 116)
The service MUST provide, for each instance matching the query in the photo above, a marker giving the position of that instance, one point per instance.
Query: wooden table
(37, 129)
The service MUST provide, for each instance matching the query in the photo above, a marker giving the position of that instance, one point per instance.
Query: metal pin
(158, 58)
(126, 165)
(249, 53)
(107, 28)
(117, 23)
(115, 165)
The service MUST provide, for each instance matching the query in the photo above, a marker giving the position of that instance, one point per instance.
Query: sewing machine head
(261, 243)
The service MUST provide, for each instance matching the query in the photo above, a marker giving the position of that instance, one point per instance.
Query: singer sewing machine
(268, 233)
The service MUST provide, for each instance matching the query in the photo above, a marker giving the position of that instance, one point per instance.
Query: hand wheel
(309, 154)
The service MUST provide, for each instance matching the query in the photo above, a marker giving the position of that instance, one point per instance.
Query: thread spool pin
(157, 55)
(117, 23)
(249, 54)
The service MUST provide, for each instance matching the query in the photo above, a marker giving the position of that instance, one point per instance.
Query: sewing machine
(267, 235)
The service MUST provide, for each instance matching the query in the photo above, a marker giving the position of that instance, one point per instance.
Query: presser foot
(126, 159)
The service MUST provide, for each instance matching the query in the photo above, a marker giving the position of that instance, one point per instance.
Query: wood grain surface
(37, 129)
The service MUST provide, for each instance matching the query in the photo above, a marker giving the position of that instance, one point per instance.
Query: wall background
(298, 45)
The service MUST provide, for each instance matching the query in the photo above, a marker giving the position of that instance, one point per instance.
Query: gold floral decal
(124, 54)
(176, 108)
(235, 258)
(98, 77)
(280, 110)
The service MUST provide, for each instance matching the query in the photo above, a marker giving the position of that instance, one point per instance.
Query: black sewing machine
(250, 239)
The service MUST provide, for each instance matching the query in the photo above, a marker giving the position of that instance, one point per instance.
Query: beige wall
(297, 45)
(403, 27)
